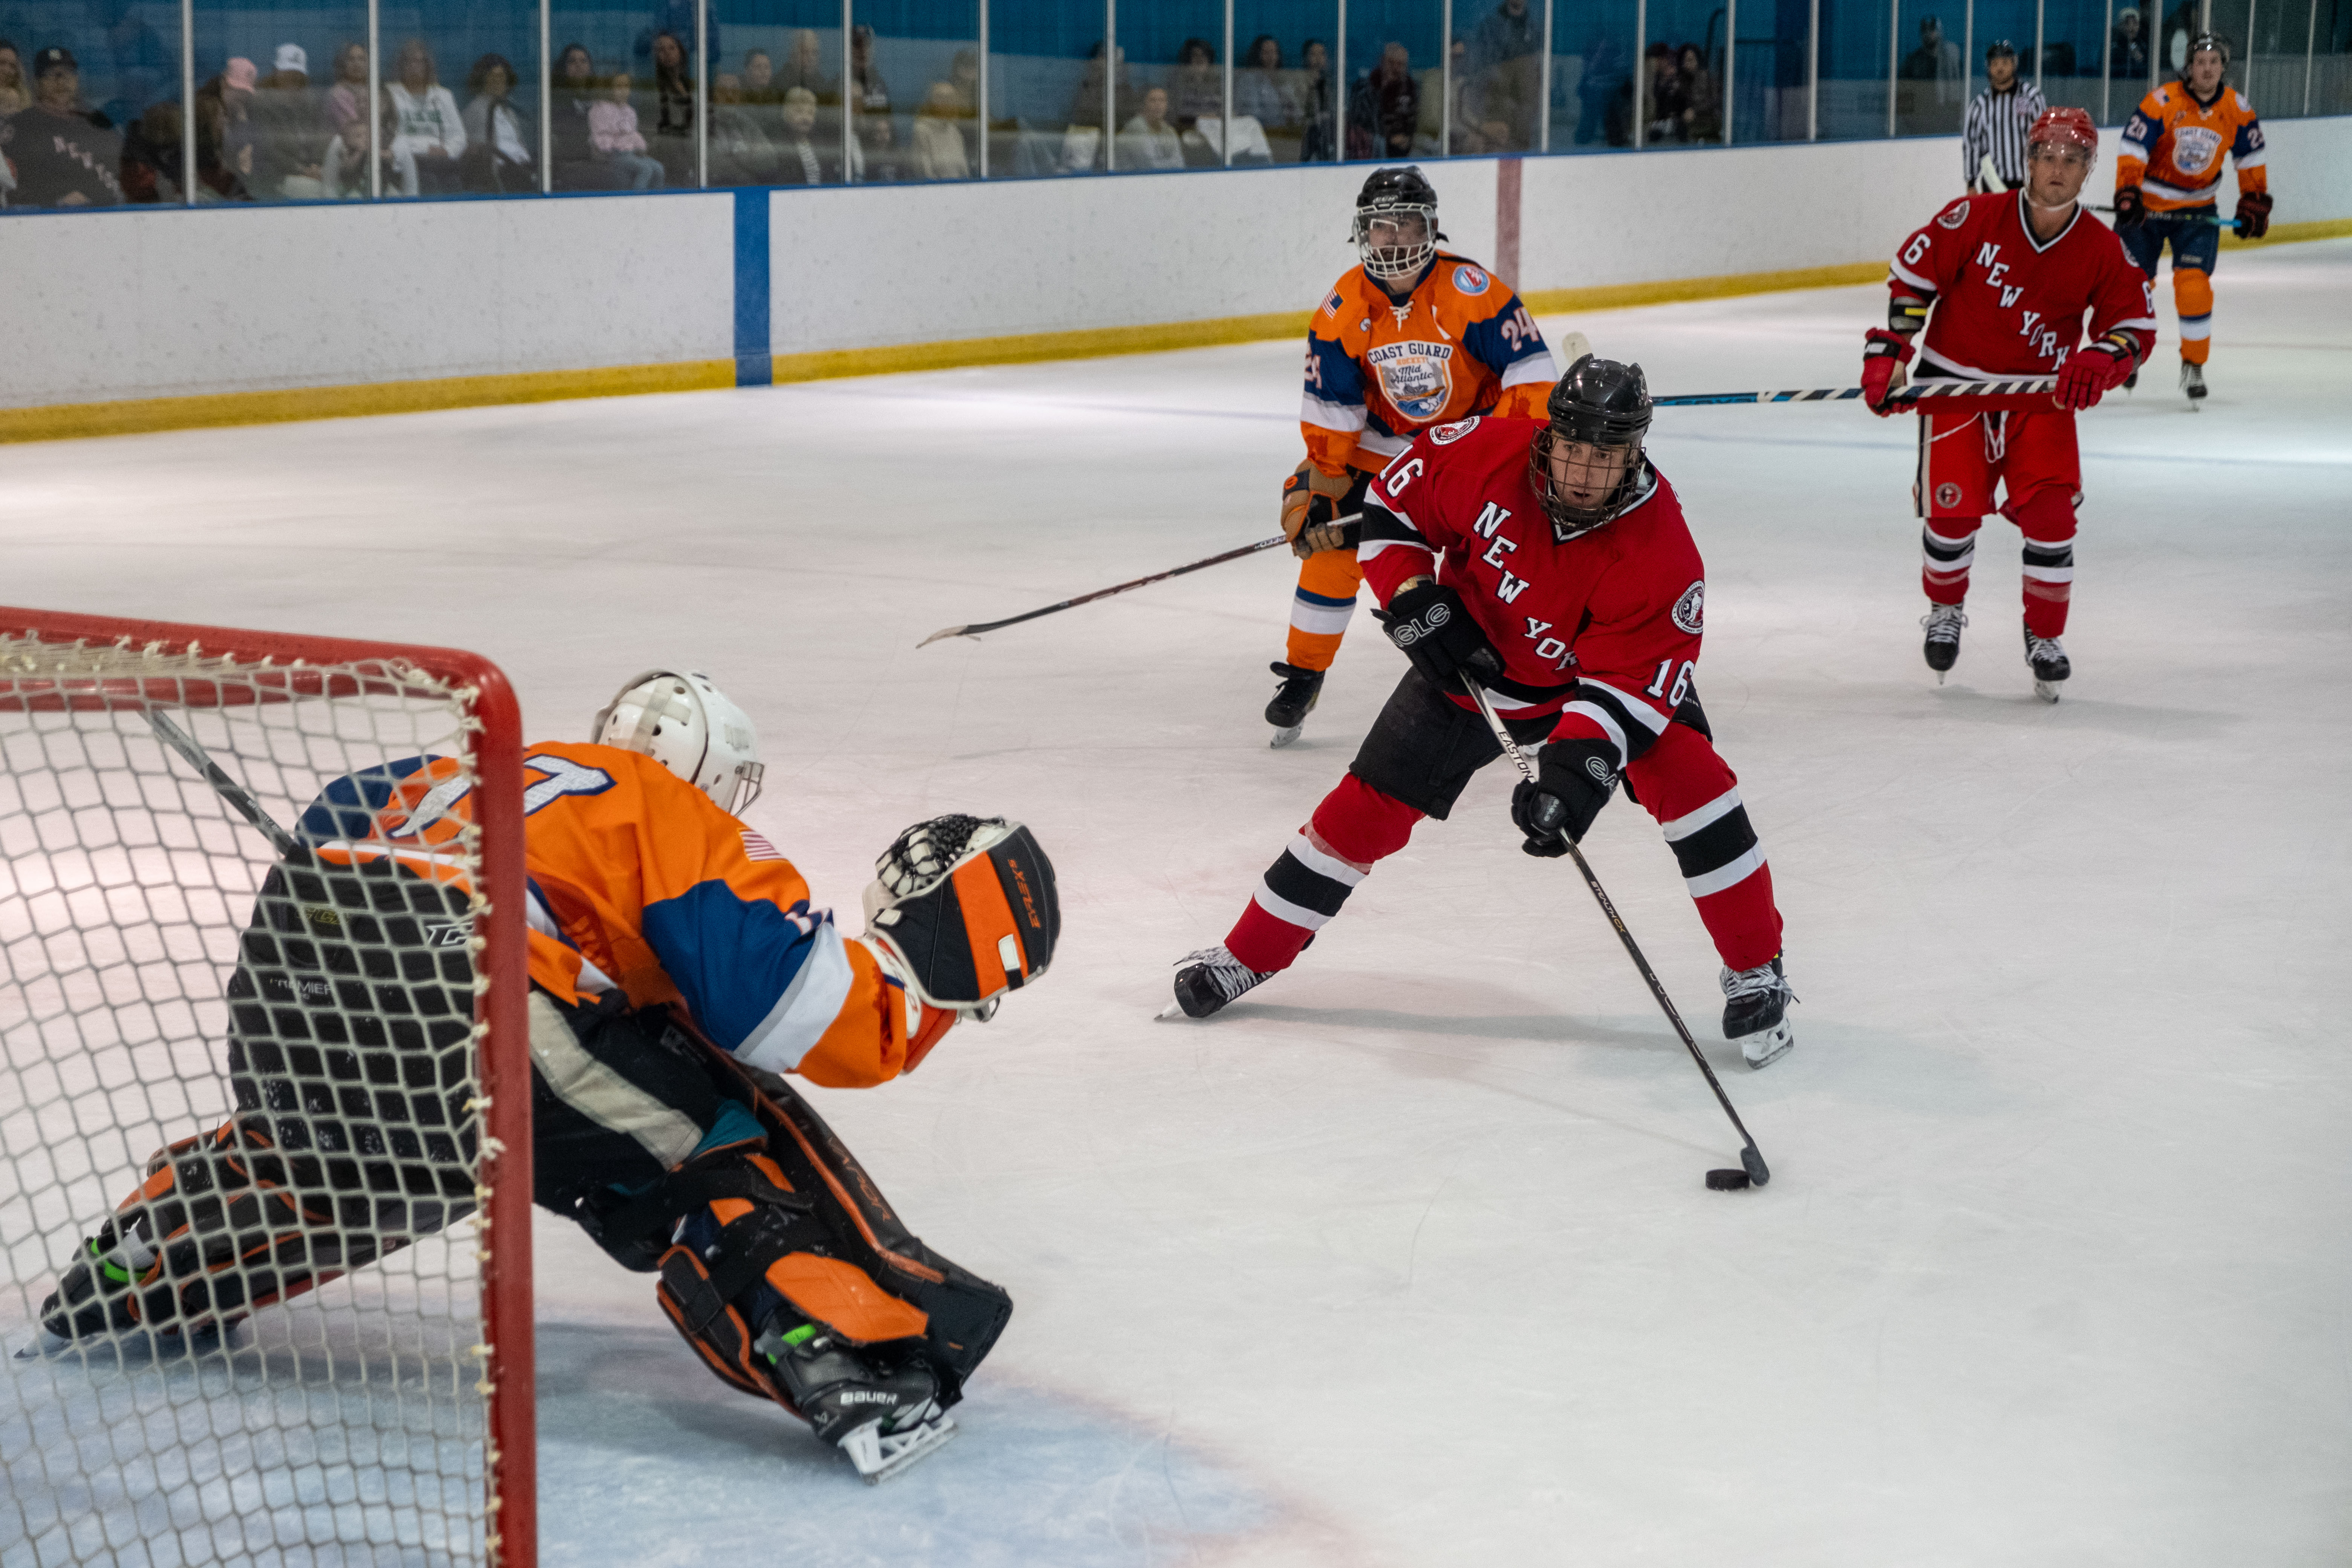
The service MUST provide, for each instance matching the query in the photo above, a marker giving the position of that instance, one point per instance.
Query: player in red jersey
(1550, 562)
(2009, 278)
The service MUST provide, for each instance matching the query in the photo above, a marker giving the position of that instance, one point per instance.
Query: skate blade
(878, 1456)
(44, 1347)
(2046, 689)
(1173, 1010)
(1284, 736)
(1762, 1050)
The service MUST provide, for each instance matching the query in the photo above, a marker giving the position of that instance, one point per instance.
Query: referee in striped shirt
(1998, 119)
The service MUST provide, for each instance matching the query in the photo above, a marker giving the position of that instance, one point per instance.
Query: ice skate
(1943, 645)
(2050, 664)
(1295, 699)
(1755, 1011)
(883, 1419)
(1210, 978)
(2192, 382)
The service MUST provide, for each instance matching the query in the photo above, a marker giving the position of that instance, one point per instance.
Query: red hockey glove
(2090, 374)
(1884, 355)
(1572, 782)
(2253, 214)
(2131, 211)
(1434, 627)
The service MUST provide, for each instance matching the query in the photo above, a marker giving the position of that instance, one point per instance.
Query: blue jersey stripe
(732, 957)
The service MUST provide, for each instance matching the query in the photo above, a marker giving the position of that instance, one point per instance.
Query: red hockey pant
(1681, 779)
(2033, 457)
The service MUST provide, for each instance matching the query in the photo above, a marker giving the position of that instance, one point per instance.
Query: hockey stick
(227, 788)
(1751, 1156)
(1918, 391)
(2196, 220)
(975, 630)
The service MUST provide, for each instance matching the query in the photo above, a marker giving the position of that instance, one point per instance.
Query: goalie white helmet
(690, 726)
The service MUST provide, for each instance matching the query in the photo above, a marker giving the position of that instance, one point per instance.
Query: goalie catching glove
(961, 910)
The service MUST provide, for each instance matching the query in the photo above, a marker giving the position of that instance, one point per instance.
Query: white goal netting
(264, 1053)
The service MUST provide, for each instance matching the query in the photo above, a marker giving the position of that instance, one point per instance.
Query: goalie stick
(1751, 1156)
(227, 788)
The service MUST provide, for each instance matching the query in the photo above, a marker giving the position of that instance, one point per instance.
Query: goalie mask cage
(324, 1359)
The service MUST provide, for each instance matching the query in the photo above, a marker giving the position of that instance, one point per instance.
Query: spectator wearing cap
(289, 132)
(1997, 121)
(63, 154)
(428, 134)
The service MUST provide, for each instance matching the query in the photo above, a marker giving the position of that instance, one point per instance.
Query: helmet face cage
(1569, 520)
(1394, 261)
(1603, 404)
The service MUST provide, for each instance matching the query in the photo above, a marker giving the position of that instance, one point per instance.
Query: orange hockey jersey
(1379, 373)
(2172, 147)
(640, 883)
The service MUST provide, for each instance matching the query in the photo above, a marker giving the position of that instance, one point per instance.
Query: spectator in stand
(805, 68)
(63, 154)
(150, 168)
(937, 148)
(673, 138)
(1263, 91)
(289, 132)
(612, 131)
(963, 81)
(1081, 150)
(343, 169)
(428, 134)
(1506, 71)
(1385, 107)
(2127, 58)
(1668, 98)
(1937, 60)
(802, 159)
(1196, 88)
(498, 152)
(757, 80)
(1702, 98)
(234, 130)
(741, 152)
(869, 99)
(132, 57)
(676, 17)
(1148, 141)
(572, 156)
(1429, 97)
(1320, 141)
(15, 93)
(1604, 95)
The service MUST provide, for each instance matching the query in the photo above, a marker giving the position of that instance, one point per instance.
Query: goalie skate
(879, 1452)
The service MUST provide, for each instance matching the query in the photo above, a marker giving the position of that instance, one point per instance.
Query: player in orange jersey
(675, 969)
(1410, 337)
(2169, 174)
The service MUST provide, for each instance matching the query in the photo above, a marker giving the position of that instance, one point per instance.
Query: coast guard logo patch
(1446, 434)
(1690, 610)
(1417, 376)
(2194, 148)
(1469, 280)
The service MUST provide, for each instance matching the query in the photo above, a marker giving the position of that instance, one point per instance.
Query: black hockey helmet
(1999, 48)
(2198, 45)
(1396, 192)
(1599, 403)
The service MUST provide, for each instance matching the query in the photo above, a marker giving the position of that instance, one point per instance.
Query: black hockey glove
(2131, 208)
(1572, 781)
(1433, 626)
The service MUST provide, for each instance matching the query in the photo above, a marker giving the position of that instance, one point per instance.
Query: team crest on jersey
(2194, 148)
(1417, 376)
(1690, 610)
(1446, 434)
(1955, 215)
(1948, 494)
(1469, 280)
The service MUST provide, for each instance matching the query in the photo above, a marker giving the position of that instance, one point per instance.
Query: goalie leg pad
(968, 905)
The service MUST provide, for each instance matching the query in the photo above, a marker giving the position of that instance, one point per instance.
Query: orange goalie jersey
(1379, 373)
(2172, 147)
(640, 883)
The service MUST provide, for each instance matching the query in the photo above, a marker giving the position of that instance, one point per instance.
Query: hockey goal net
(264, 1274)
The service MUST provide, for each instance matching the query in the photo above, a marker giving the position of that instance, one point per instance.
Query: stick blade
(1752, 1158)
(945, 632)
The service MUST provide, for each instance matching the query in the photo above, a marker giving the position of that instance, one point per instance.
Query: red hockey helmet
(2065, 128)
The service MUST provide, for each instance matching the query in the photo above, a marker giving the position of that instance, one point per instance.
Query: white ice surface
(1406, 1260)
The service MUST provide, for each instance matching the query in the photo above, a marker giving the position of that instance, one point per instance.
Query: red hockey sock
(2046, 518)
(1355, 826)
(1688, 787)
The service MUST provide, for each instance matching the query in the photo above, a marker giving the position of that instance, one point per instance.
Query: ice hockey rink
(1406, 1258)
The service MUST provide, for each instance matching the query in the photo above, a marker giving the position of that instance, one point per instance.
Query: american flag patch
(758, 848)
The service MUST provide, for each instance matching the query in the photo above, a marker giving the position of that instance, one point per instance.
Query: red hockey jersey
(2007, 305)
(1602, 629)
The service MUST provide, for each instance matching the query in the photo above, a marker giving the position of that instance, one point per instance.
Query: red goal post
(126, 878)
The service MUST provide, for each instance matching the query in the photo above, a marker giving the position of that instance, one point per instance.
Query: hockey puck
(1727, 1181)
